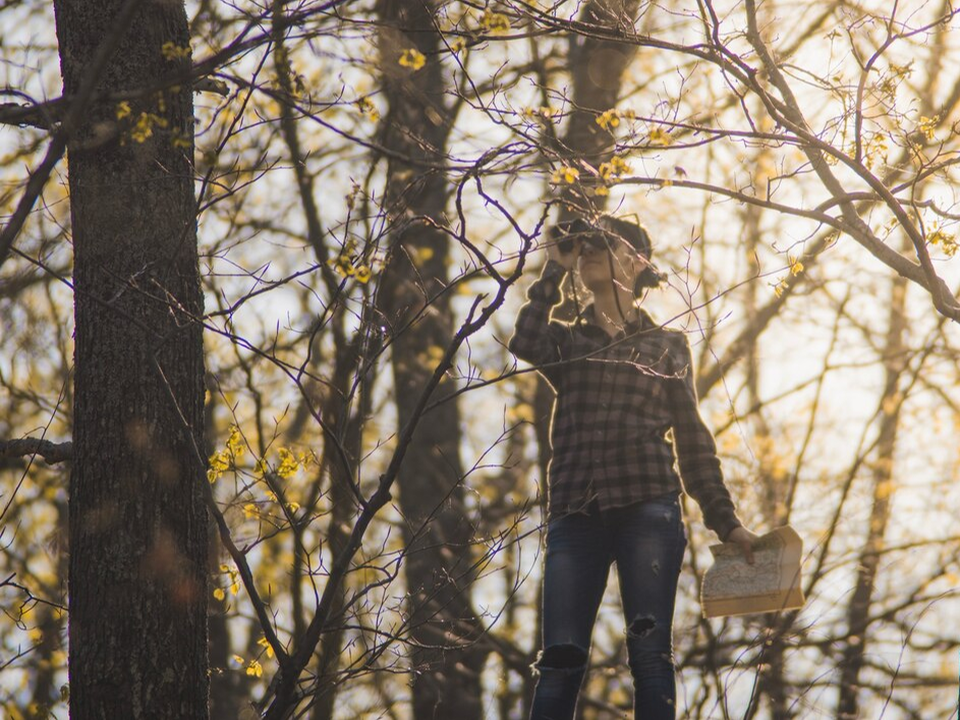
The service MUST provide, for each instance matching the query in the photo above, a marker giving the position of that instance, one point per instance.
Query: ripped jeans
(647, 541)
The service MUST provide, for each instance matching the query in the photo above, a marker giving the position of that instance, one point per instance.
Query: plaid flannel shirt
(617, 398)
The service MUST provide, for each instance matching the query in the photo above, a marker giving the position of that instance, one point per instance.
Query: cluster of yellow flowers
(172, 51)
(225, 459)
(565, 174)
(659, 136)
(945, 241)
(412, 58)
(494, 23)
(928, 125)
(610, 119)
(613, 169)
(547, 112)
(368, 109)
(344, 264)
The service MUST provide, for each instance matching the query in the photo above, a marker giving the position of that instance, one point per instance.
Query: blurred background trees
(371, 179)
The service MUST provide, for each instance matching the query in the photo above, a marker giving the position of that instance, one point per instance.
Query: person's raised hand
(567, 259)
(745, 539)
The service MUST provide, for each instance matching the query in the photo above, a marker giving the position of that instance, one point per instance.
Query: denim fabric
(647, 541)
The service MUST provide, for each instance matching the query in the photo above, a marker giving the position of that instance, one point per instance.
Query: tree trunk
(438, 563)
(138, 525)
(858, 612)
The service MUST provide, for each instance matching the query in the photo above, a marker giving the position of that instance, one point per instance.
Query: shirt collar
(642, 322)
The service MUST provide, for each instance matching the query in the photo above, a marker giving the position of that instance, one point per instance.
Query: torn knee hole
(641, 627)
(563, 657)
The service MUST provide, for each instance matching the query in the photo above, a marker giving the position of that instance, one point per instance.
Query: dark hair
(638, 237)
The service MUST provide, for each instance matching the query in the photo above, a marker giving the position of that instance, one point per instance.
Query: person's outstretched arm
(697, 451)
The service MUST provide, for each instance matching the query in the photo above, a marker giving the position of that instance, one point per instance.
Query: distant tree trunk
(771, 480)
(438, 562)
(858, 611)
(138, 523)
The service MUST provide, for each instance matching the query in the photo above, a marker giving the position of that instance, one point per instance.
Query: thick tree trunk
(438, 563)
(138, 525)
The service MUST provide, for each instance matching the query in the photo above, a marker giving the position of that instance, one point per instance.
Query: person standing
(623, 383)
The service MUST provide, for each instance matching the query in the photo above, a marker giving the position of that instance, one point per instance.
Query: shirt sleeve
(697, 451)
(536, 338)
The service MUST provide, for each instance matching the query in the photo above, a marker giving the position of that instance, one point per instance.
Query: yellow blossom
(368, 109)
(608, 119)
(566, 174)
(219, 594)
(289, 464)
(180, 140)
(928, 125)
(235, 442)
(123, 109)
(363, 274)
(945, 241)
(219, 463)
(659, 136)
(796, 267)
(616, 167)
(412, 58)
(254, 669)
(143, 128)
(171, 51)
(494, 23)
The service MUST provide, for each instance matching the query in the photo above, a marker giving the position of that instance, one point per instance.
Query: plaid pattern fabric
(617, 400)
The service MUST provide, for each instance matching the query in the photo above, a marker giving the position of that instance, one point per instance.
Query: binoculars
(567, 232)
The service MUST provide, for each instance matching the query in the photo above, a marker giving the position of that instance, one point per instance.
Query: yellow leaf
(219, 594)
(234, 588)
(254, 669)
(264, 643)
(239, 660)
(235, 442)
(289, 465)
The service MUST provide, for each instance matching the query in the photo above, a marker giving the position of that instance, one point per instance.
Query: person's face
(612, 263)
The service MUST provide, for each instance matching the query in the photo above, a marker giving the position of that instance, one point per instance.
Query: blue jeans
(647, 542)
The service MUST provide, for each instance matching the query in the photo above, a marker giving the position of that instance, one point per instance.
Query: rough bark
(138, 524)
(445, 679)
